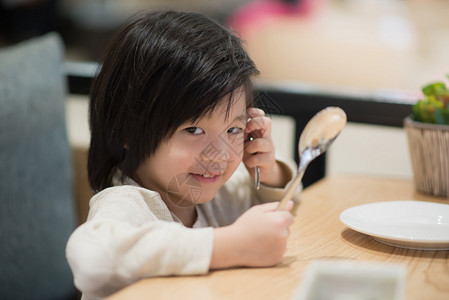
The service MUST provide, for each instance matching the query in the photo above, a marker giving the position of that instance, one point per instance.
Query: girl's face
(199, 158)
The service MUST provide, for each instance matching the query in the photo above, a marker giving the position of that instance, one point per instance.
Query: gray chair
(36, 201)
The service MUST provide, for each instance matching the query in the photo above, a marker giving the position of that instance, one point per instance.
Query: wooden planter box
(429, 151)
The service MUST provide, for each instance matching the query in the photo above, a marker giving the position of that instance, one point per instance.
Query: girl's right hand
(257, 239)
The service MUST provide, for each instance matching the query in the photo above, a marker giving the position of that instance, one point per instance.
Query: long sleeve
(124, 241)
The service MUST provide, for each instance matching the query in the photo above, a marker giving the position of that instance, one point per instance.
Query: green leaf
(423, 111)
(434, 89)
(441, 116)
(416, 113)
(434, 107)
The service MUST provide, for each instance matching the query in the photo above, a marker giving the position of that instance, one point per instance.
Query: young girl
(171, 123)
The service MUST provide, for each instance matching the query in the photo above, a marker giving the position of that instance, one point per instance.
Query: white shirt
(130, 234)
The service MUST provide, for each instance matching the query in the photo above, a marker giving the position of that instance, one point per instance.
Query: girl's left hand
(260, 151)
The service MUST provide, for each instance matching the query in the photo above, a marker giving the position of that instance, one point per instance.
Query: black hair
(162, 69)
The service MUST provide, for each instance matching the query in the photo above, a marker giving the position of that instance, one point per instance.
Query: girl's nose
(214, 152)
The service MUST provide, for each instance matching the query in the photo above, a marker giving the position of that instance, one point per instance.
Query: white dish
(407, 224)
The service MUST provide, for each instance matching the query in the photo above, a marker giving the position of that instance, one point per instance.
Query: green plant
(434, 108)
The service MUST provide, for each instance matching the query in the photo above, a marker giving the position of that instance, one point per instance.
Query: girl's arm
(123, 241)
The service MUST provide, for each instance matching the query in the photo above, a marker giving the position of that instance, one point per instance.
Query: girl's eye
(194, 130)
(235, 130)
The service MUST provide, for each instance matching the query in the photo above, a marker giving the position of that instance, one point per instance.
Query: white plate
(407, 224)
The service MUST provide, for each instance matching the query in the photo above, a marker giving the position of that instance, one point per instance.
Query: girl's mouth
(206, 178)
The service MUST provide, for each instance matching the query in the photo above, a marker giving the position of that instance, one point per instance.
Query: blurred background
(352, 43)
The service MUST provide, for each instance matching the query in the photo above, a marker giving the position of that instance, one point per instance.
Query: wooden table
(316, 234)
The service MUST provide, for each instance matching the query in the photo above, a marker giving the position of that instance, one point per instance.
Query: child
(171, 121)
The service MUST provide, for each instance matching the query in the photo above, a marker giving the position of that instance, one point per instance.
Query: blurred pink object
(259, 12)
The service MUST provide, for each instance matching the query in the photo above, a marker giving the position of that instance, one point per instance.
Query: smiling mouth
(208, 176)
(205, 178)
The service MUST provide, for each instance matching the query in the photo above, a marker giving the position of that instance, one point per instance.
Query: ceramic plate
(407, 224)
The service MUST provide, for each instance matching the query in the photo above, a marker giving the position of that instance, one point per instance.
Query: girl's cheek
(237, 157)
(236, 145)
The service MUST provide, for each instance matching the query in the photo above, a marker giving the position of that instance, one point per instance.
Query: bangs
(229, 100)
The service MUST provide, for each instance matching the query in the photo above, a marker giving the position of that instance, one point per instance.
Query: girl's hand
(260, 150)
(257, 239)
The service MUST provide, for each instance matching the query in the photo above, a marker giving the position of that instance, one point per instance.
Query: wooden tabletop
(316, 234)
